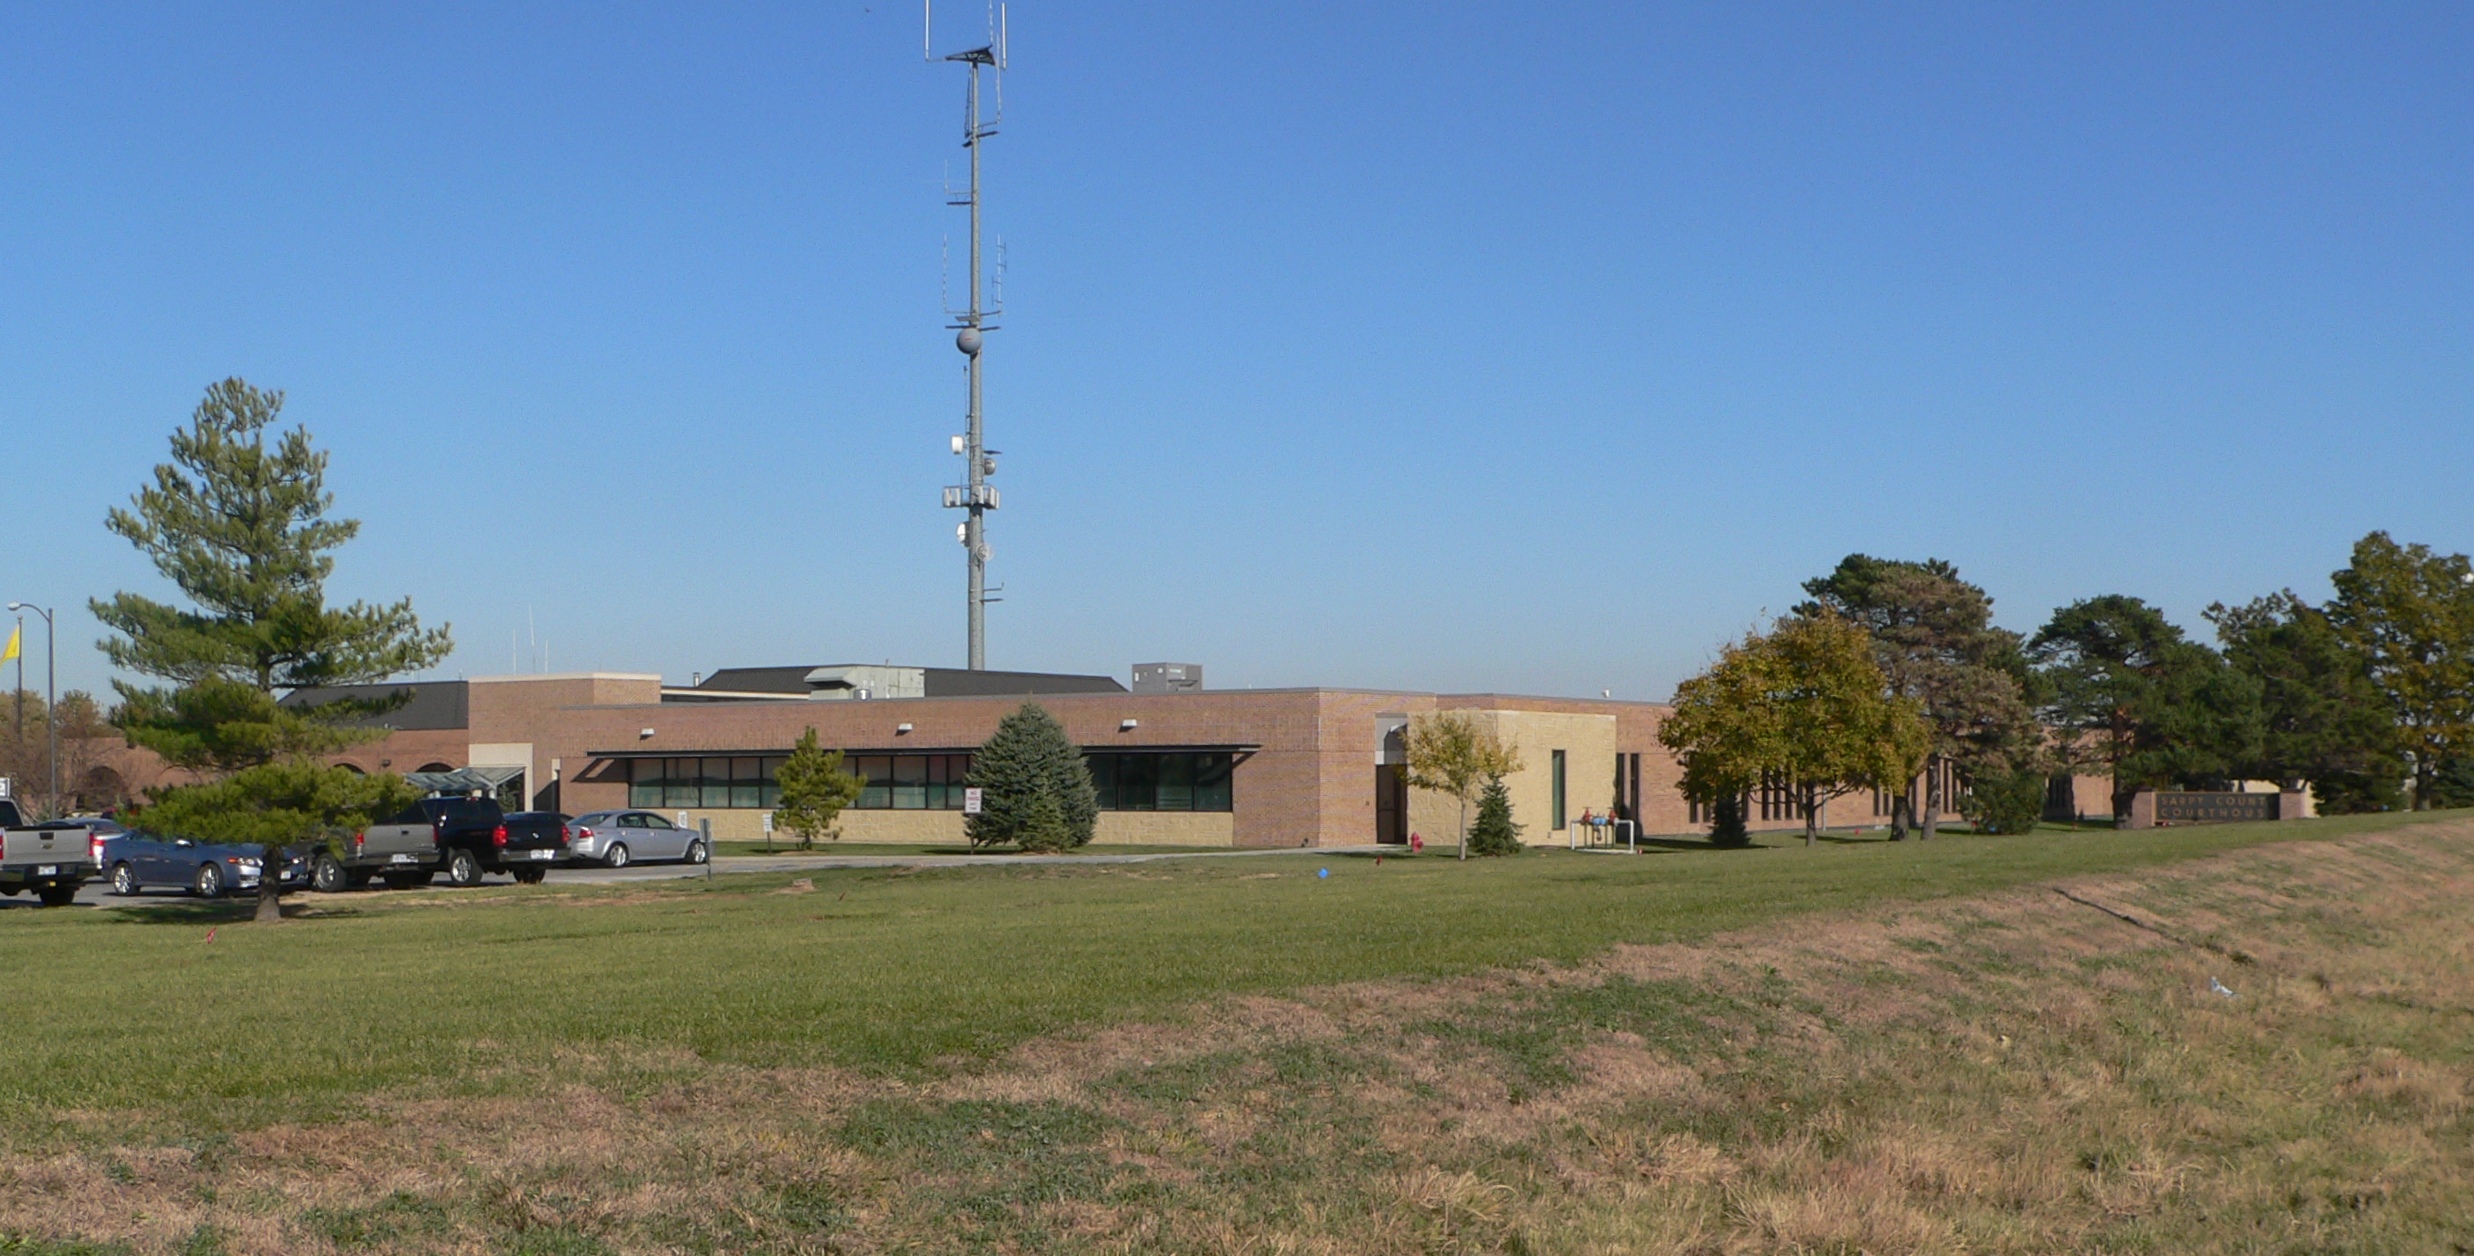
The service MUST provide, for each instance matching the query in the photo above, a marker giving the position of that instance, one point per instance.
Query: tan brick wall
(933, 828)
(1588, 739)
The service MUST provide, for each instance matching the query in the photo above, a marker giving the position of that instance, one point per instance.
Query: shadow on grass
(224, 911)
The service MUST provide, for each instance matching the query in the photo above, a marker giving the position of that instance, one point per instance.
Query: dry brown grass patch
(2016, 1072)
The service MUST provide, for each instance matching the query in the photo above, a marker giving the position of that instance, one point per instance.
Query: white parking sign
(970, 801)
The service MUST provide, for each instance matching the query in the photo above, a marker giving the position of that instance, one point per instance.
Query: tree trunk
(1464, 830)
(1812, 815)
(1902, 810)
(270, 885)
(2121, 803)
(1929, 822)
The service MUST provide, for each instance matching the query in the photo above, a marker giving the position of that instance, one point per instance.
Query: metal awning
(464, 780)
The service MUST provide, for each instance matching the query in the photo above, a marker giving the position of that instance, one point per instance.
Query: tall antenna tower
(971, 323)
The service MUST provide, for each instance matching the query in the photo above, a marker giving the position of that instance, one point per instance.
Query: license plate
(401, 859)
(48, 870)
(541, 854)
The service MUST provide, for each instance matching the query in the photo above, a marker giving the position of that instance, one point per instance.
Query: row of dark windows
(1953, 787)
(1164, 780)
(1175, 780)
(1778, 799)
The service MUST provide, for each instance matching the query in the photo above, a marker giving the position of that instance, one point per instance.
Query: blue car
(136, 862)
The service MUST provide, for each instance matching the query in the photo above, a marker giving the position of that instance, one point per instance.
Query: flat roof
(775, 752)
(940, 682)
(434, 704)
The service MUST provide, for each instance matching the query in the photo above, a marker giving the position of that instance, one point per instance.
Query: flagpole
(19, 640)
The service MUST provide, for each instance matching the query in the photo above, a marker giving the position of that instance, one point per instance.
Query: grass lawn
(875, 969)
(1882, 1053)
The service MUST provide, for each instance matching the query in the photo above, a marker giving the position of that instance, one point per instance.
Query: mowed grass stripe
(885, 971)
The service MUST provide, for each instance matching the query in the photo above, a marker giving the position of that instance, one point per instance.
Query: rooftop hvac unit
(1168, 677)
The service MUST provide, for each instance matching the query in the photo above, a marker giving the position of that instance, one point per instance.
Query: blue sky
(1522, 347)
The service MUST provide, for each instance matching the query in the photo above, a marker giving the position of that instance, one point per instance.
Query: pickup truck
(51, 859)
(466, 838)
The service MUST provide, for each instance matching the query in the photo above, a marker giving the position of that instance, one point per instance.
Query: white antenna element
(970, 326)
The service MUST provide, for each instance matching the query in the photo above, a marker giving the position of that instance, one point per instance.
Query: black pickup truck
(466, 838)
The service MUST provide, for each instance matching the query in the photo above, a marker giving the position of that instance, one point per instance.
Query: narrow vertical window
(1557, 786)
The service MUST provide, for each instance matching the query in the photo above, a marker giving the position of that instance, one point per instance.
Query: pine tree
(1494, 833)
(815, 790)
(241, 528)
(1043, 825)
(1934, 639)
(1029, 757)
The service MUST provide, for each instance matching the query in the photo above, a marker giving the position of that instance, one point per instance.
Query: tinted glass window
(680, 786)
(877, 771)
(910, 782)
(1211, 782)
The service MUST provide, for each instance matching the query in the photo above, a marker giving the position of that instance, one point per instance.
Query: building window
(1778, 799)
(752, 782)
(1172, 780)
(910, 782)
(1162, 780)
(1556, 807)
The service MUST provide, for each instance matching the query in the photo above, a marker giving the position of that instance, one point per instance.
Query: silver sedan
(615, 839)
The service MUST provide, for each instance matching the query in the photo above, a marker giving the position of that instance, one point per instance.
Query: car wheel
(58, 894)
(462, 868)
(616, 856)
(531, 876)
(696, 853)
(209, 882)
(124, 880)
(327, 876)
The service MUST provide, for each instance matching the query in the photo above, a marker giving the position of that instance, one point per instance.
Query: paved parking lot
(96, 893)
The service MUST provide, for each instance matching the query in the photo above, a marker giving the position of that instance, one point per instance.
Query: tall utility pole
(970, 323)
(51, 696)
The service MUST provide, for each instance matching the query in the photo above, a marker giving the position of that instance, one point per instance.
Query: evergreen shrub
(1026, 759)
(1494, 833)
(2004, 802)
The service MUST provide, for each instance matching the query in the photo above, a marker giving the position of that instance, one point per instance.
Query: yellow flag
(11, 652)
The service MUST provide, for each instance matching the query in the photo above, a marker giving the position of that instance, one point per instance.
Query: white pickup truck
(51, 859)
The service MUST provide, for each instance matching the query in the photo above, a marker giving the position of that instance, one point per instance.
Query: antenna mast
(969, 325)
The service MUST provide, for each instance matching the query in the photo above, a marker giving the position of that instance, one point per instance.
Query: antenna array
(970, 323)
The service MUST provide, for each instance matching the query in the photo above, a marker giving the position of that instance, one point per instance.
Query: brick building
(1176, 765)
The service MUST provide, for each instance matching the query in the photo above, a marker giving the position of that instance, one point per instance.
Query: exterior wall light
(1127, 726)
(900, 729)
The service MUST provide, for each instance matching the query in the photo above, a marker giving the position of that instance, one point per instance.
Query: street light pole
(51, 699)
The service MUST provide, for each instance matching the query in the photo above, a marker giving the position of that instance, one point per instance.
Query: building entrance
(1391, 805)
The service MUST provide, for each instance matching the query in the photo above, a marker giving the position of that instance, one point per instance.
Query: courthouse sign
(2152, 808)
